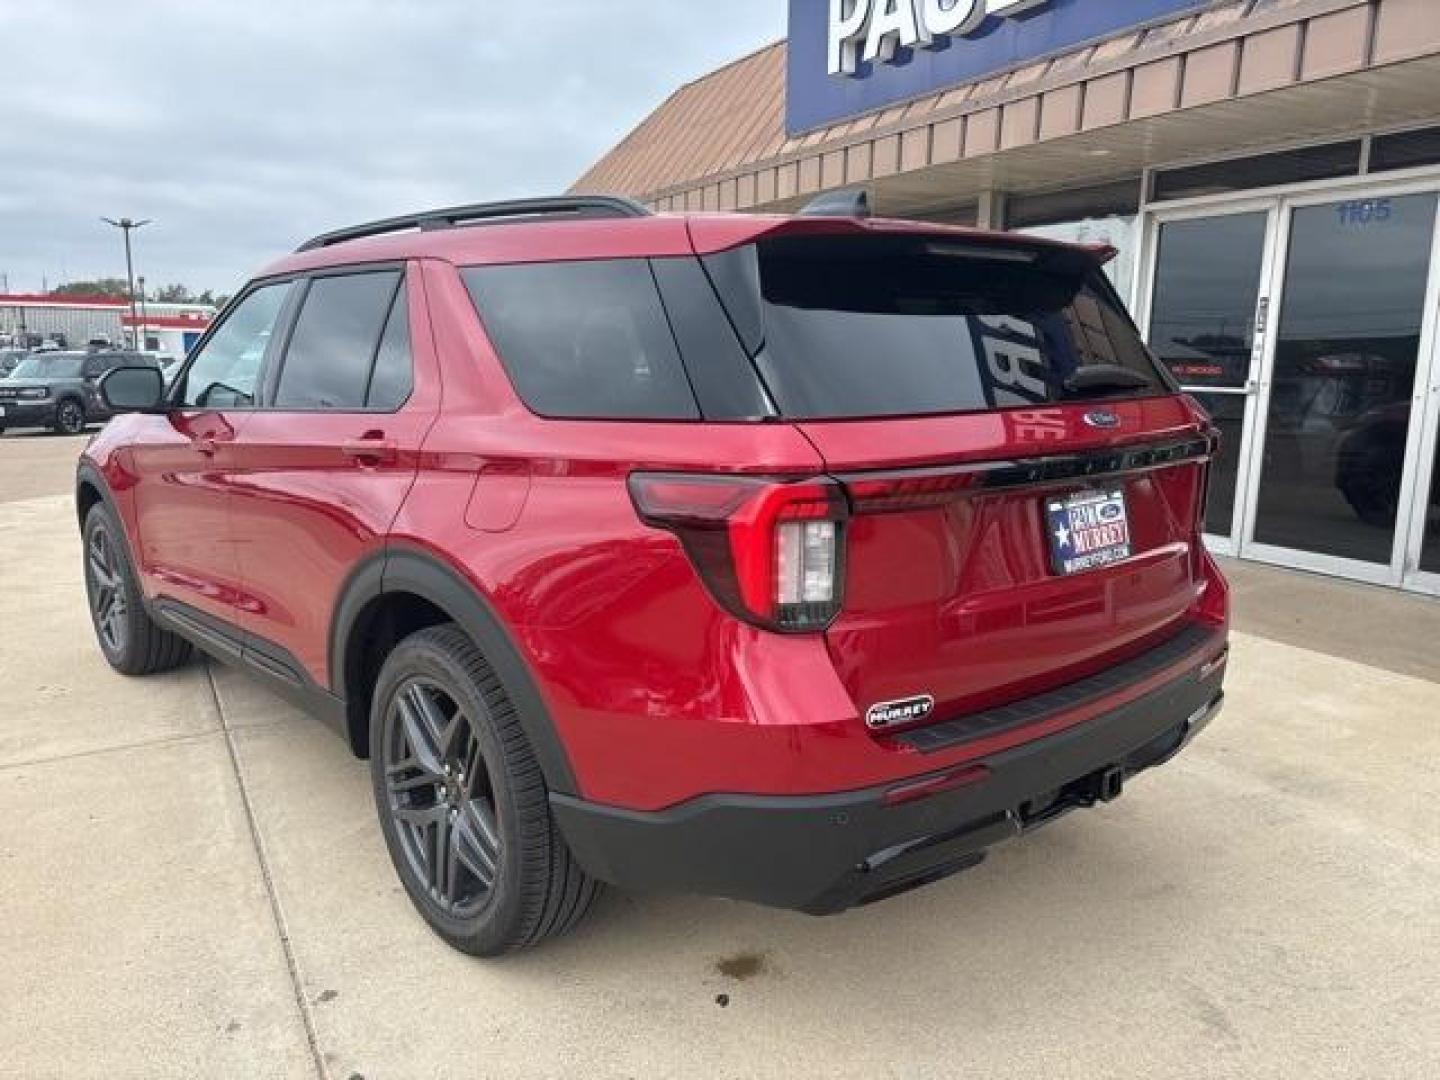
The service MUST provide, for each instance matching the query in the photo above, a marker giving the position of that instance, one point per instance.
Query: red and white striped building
(71, 321)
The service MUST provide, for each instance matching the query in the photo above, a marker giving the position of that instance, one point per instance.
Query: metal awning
(1240, 75)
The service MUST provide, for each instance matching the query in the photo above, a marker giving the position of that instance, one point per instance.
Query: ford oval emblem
(1101, 418)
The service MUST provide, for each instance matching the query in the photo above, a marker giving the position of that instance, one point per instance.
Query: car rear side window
(584, 339)
(894, 326)
(333, 348)
(393, 375)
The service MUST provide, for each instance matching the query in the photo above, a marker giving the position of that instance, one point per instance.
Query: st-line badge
(885, 714)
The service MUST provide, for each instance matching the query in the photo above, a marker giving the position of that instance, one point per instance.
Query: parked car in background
(57, 390)
(794, 559)
(168, 363)
(9, 359)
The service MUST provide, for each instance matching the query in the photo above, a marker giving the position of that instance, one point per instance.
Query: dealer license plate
(1088, 529)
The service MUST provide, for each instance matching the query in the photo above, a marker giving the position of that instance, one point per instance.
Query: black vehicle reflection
(1370, 462)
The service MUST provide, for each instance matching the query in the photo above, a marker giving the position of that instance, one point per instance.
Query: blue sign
(848, 57)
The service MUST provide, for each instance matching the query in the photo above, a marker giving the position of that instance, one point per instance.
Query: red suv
(792, 559)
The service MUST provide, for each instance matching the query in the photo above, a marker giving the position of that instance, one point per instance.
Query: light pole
(127, 226)
(144, 318)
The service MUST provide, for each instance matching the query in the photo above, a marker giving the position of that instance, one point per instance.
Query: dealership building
(1268, 170)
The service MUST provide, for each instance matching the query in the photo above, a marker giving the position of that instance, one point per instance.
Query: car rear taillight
(770, 551)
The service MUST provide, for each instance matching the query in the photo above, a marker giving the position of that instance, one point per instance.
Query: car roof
(531, 239)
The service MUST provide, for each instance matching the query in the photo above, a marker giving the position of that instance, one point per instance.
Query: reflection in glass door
(1424, 562)
(1208, 275)
(1430, 545)
(1337, 411)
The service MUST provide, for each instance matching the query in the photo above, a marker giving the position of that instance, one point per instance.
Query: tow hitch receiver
(1109, 783)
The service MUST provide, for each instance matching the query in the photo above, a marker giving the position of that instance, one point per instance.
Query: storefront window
(1119, 232)
(1345, 369)
(1430, 553)
(1266, 170)
(1104, 214)
(1227, 413)
(1207, 285)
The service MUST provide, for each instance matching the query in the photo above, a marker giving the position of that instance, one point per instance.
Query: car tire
(453, 773)
(132, 642)
(70, 417)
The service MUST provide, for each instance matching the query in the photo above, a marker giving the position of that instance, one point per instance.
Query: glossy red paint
(657, 693)
(313, 496)
(182, 466)
(959, 601)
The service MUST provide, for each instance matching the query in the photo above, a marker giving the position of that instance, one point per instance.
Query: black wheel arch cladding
(400, 571)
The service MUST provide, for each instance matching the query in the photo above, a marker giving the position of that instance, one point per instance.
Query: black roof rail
(581, 206)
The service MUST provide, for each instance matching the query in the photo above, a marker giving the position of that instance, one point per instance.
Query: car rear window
(890, 326)
(813, 327)
(584, 339)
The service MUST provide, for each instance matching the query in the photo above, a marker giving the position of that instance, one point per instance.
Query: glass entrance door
(1336, 457)
(1206, 324)
(1422, 562)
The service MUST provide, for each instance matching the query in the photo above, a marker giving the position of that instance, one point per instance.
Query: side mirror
(133, 389)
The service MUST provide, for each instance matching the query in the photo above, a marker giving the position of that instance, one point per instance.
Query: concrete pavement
(192, 883)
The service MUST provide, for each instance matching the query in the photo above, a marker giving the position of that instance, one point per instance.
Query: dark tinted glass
(720, 371)
(1405, 150)
(1227, 411)
(225, 371)
(584, 339)
(1345, 366)
(390, 384)
(327, 363)
(1286, 167)
(891, 326)
(1120, 199)
(1430, 553)
(1207, 286)
(736, 277)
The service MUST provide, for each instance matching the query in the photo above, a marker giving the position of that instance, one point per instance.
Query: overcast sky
(243, 126)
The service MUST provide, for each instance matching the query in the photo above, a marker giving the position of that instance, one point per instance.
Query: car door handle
(371, 451)
(207, 446)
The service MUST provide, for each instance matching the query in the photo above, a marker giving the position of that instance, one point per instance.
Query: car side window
(393, 376)
(336, 341)
(225, 373)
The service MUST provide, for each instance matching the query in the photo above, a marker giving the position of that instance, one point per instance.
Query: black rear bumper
(825, 853)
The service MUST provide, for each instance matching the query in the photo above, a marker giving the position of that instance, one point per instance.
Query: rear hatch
(1024, 483)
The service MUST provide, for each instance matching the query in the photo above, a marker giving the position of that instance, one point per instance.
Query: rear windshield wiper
(1096, 380)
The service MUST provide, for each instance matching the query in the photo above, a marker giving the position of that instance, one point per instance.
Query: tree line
(116, 287)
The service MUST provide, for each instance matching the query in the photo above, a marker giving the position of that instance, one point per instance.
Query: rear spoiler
(835, 214)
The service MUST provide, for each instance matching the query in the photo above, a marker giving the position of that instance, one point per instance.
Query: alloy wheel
(440, 797)
(107, 590)
(72, 418)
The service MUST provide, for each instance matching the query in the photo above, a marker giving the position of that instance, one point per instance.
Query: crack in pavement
(119, 748)
(277, 912)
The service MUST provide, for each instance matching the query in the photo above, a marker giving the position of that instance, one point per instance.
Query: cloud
(242, 128)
